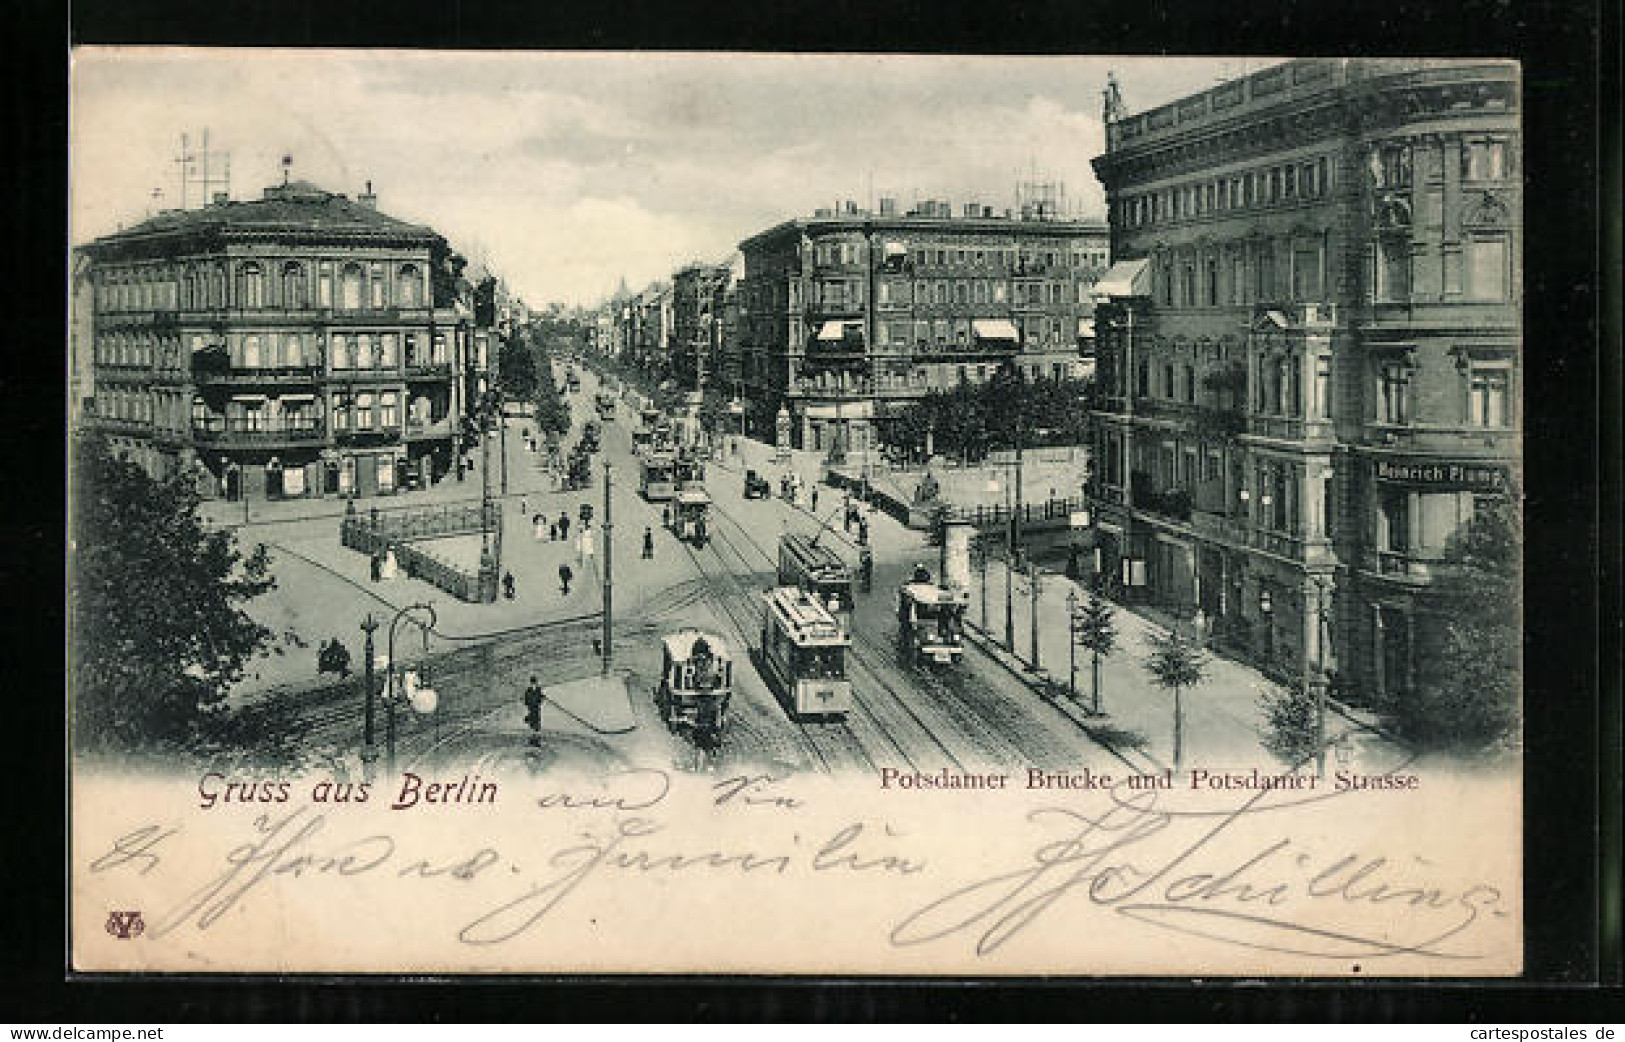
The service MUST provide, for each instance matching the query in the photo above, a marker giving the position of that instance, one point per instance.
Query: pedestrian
(524, 506)
(564, 526)
(536, 527)
(507, 585)
(565, 575)
(534, 698)
(815, 501)
(648, 543)
(585, 543)
(665, 516)
(863, 531)
(377, 566)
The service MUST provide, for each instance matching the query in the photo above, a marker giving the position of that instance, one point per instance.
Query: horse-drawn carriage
(696, 682)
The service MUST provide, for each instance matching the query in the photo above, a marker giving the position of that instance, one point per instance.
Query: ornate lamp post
(1266, 608)
(394, 691)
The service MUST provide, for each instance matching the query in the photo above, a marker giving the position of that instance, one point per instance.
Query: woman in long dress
(388, 571)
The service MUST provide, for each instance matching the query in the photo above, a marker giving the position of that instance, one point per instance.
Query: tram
(819, 570)
(931, 622)
(590, 436)
(606, 406)
(803, 654)
(572, 381)
(696, 684)
(691, 518)
(689, 469)
(655, 476)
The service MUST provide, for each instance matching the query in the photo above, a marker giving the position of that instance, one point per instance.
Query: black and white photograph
(947, 506)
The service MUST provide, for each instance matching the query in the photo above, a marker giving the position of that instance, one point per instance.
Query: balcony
(1402, 566)
(208, 373)
(365, 436)
(238, 431)
(837, 310)
(384, 372)
(428, 370)
(1488, 442)
(1286, 428)
(428, 429)
(1173, 504)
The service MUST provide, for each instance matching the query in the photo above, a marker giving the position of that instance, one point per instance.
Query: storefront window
(386, 473)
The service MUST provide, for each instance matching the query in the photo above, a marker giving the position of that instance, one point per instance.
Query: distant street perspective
(1199, 458)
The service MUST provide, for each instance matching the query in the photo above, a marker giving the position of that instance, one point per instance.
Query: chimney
(367, 199)
(221, 198)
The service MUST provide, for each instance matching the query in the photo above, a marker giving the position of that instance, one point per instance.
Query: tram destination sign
(1474, 477)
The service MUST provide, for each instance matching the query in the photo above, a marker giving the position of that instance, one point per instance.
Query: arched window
(250, 287)
(409, 286)
(351, 282)
(293, 285)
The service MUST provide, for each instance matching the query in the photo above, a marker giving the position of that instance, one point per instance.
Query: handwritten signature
(1278, 897)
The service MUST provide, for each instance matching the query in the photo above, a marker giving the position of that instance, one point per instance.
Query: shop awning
(995, 329)
(1127, 278)
(896, 249)
(834, 330)
(1086, 328)
(1272, 318)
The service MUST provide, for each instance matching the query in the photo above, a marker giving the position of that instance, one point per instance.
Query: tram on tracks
(696, 684)
(691, 518)
(656, 476)
(808, 565)
(931, 622)
(803, 654)
(688, 469)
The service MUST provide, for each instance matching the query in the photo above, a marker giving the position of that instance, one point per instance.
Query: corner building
(850, 316)
(302, 344)
(1310, 353)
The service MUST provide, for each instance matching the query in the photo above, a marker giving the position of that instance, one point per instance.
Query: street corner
(601, 704)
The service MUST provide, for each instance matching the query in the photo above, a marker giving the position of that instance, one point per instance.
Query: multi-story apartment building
(301, 344)
(850, 315)
(697, 293)
(1310, 347)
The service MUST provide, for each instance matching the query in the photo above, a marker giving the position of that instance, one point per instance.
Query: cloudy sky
(569, 171)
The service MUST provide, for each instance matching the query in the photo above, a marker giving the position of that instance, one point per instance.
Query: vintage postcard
(795, 514)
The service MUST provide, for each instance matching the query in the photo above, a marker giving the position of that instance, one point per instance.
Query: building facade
(1310, 350)
(851, 315)
(301, 344)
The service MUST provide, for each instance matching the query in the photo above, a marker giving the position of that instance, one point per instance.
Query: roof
(680, 645)
(298, 207)
(693, 495)
(931, 593)
(1125, 278)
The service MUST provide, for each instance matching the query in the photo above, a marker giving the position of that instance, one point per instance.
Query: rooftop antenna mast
(194, 164)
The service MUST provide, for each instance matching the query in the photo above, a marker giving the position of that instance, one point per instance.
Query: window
(1323, 388)
(1306, 273)
(293, 351)
(1289, 183)
(1393, 268)
(1487, 396)
(363, 411)
(1142, 379)
(251, 352)
(250, 287)
(1483, 160)
(386, 351)
(386, 411)
(1393, 393)
(1486, 268)
(1190, 383)
(386, 473)
(350, 288)
(378, 285)
(1168, 380)
(1395, 166)
(1393, 519)
(409, 286)
(1212, 267)
(324, 285)
(293, 285)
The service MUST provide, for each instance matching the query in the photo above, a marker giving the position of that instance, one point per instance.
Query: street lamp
(1266, 607)
(420, 696)
(1072, 609)
(1319, 683)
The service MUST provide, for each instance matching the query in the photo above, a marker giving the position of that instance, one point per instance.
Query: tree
(1097, 634)
(516, 368)
(1175, 664)
(1469, 689)
(1292, 722)
(158, 635)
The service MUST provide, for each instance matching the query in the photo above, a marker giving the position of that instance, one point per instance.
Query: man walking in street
(564, 526)
(534, 698)
(565, 575)
(648, 543)
(815, 499)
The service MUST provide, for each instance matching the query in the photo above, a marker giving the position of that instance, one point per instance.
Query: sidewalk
(1224, 720)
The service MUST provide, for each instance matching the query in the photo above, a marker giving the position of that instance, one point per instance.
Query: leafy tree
(1291, 717)
(516, 368)
(1469, 689)
(158, 635)
(1097, 633)
(1175, 664)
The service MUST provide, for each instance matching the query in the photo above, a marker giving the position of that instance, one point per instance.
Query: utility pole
(609, 572)
(1009, 573)
(502, 425)
(1033, 576)
(369, 740)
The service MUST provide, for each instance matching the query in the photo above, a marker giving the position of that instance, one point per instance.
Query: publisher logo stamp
(125, 925)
